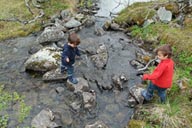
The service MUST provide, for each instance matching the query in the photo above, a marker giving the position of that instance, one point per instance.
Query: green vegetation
(6, 100)
(89, 3)
(133, 15)
(86, 3)
(17, 9)
(144, 33)
(4, 121)
(176, 113)
(136, 124)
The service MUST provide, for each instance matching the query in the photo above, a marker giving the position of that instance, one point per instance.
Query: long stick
(147, 65)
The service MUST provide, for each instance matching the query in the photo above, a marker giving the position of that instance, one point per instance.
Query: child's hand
(139, 74)
(145, 77)
(67, 59)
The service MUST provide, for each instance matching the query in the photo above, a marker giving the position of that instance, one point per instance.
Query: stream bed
(111, 105)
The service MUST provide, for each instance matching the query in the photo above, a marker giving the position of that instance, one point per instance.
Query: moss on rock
(173, 7)
(57, 57)
(135, 14)
(136, 124)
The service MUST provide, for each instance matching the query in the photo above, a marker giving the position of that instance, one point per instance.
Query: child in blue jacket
(70, 50)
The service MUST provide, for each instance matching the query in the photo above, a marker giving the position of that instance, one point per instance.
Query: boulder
(135, 92)
(164, 15)
(54, 75)
(44, 120)
(81, 86)
(72, 23)
(50, 34)
(44, 60)
(100, 59)
(89, 99)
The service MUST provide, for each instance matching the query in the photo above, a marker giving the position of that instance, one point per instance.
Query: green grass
(54, 7)
(144, 33)
(6, 100)
(162, 33)
(87, 3)
(4, 121)
(176, 113)
(16, 9)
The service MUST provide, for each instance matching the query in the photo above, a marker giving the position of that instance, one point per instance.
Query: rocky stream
(104, 71)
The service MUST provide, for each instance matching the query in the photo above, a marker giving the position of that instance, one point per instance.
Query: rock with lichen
(44, 60)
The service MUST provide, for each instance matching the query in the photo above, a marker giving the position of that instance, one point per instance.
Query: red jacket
(162, 76)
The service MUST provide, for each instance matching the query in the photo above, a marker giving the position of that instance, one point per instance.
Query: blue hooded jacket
(69, 52)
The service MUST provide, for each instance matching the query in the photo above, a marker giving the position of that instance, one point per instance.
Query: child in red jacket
(162, 76)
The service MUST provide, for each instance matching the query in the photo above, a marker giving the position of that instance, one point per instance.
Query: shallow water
(111, 105)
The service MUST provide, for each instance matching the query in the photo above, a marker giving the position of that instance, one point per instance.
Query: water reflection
(114, 6)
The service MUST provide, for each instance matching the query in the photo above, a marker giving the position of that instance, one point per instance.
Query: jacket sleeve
(64, 54)
(78, 52)
(156, 73)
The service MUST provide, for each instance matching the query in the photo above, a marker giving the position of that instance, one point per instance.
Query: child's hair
(74, 39)
(166, 50)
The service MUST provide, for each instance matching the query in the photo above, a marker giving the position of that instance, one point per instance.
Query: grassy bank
(177, 112)
(11, 10)
(159, 33)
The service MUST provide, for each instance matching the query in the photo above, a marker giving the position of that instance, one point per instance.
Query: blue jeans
(69, 69)
(148, 93)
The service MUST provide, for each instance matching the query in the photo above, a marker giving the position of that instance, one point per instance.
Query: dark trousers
(148, 93)
(69, 69)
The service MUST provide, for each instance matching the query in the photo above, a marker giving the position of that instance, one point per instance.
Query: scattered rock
(89, 99)
(81, 86)
(44, 120)
(183, 84)
(97, 124)
(50, 34)
(137, 64)
(90, 21)
(66, 14)
(76, 105)
(60, 90)
(66, 118)
(135, 91)
(72, 23)
(34, 49)
(99, 31)
(131, 101)
(44, 60)
(164, 15)
(100, 59)
(118, 80)
(54, 75)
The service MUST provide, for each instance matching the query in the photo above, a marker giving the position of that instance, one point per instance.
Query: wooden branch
(15, 19)
(34, 2)
(41, 14)
(28, 7)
